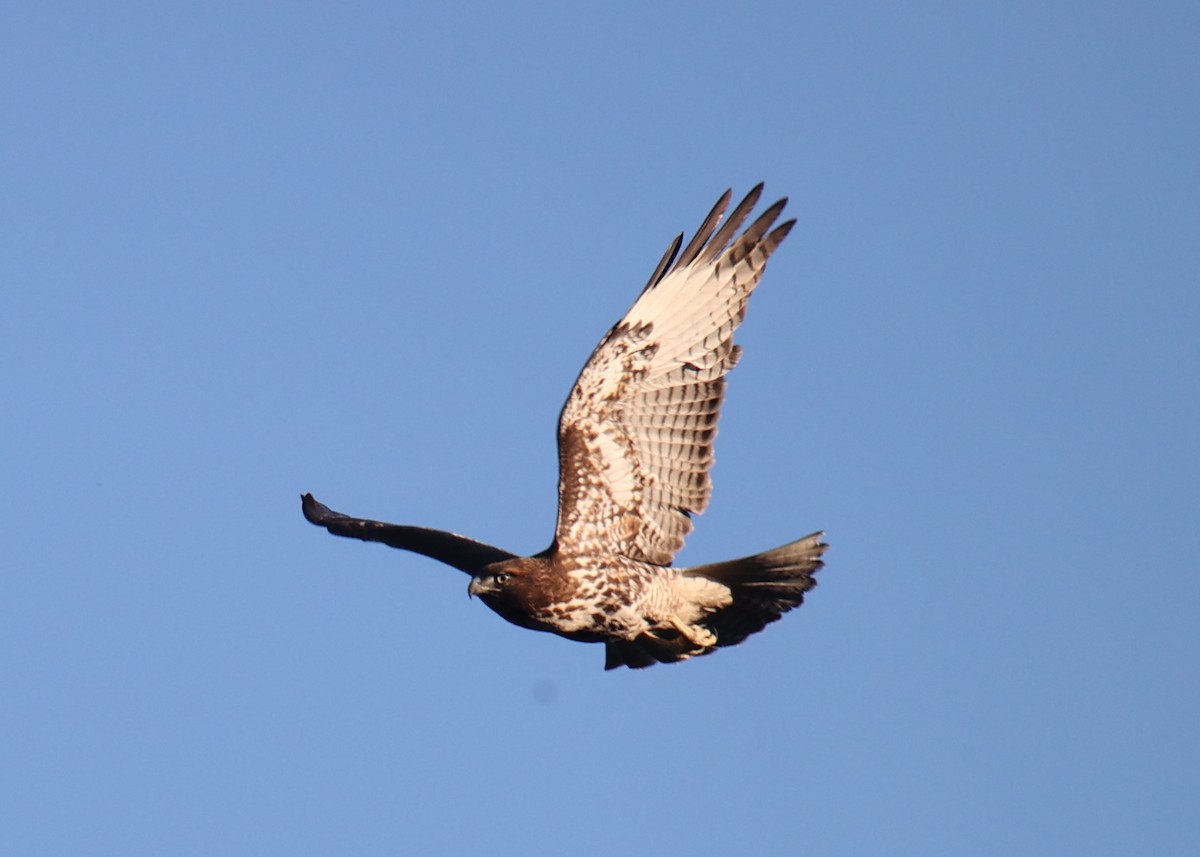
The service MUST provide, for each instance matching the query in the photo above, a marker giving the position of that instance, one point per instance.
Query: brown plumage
(635, 442)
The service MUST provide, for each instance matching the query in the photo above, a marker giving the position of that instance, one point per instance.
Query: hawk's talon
(697, 635)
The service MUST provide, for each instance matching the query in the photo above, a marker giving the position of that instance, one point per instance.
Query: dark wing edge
(454, 550)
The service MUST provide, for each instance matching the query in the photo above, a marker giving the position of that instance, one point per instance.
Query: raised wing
(635, 437)
(459, 551)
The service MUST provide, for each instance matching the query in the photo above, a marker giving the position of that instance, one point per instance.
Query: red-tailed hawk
(635, 447)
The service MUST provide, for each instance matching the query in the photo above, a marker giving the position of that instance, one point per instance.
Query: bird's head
(512, 588)
(491, 582)
(502, 582)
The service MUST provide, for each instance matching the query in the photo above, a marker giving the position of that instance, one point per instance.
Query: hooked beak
(480, 586)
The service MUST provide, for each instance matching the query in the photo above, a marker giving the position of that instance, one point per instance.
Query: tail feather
(764, 587)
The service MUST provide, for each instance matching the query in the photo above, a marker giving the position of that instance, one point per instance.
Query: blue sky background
(251, 250)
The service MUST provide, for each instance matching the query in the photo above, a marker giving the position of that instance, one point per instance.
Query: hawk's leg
(697, 635)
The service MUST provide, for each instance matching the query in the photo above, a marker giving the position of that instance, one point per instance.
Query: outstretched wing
(635, 437)
(459, 551)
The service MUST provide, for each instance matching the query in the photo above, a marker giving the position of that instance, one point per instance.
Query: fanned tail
(763, 586)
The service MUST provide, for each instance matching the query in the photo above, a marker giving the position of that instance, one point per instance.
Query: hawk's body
(635, 449)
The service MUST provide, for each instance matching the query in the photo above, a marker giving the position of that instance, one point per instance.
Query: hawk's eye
(502, 577)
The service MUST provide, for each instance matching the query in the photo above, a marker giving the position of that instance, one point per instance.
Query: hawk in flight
(635, 447)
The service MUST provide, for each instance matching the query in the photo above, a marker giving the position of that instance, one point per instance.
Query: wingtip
(314, 512)
(776, 208)
(751, 199)
(781, 231)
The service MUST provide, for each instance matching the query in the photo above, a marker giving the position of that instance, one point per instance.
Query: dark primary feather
(665, 262)
(736, 218)
(693, 248)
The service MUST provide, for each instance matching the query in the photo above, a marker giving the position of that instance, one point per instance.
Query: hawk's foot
(697, 635)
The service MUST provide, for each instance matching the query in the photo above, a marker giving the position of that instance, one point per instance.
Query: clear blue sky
(251, 250)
